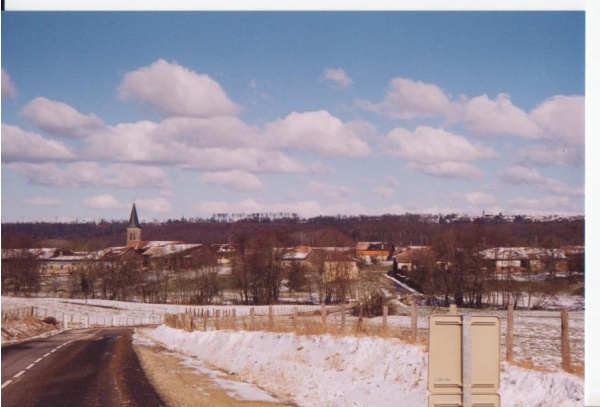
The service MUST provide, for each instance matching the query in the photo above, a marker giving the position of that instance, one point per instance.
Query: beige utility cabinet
(464, 360)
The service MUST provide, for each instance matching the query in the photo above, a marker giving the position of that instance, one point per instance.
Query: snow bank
(350, 371)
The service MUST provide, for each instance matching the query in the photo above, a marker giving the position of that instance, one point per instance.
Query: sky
(189, 114)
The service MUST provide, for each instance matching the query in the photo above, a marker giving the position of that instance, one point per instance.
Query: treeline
(315, 232)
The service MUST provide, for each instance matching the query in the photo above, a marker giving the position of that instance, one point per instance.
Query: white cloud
(391, 181)
(160, 204)
(60, 119)
(449, 169)
(429, 145)
(486, 117)
(177, 91)
(562, 118)
(103, 202)
(42, 201)
(552, 154)
(331, 192)
(89, 174)
(522, 175)
(407, 100)
(545, 205)
(479, 199)
(19, 145)
(338, 76)
(384, 192)
(321, 133)
(223, 131)
(235, 180)
(9, 90)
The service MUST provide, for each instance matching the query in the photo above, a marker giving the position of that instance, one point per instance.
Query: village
(260, 272)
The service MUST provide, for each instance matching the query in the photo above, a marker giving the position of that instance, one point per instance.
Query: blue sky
(318, 113)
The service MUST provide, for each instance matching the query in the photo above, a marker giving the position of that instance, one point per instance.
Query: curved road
(86, 367)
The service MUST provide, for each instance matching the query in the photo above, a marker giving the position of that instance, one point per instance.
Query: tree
(20, 272)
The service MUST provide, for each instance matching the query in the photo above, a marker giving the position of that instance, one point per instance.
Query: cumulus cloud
(552, 154)
(384, 192)
(43, 201)
(9, 90)
(160, 205)
(60, 119)
(522, 175)
(103, 202)
(407, 99)
(562, 118)
(89, 174)
(486, 117)
(331, 192)
(479, 199)
(235, 180)
(433, 145)
(545, 205)
(321, 133)
(338, 76)
(20, 145)
(222, 131)
(174, 90)
(449, 169)
(559, 118)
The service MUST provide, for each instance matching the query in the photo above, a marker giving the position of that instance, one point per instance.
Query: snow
(350, 371)
(327, 370)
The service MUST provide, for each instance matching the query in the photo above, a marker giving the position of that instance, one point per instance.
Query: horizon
(314, 113)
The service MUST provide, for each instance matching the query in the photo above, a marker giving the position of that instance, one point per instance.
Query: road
(86, 367)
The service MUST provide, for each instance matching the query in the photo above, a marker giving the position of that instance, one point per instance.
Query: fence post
(295, 319)
(565, 345)
(270, 318)
(384, 318)
(205, 320)
(510, 322)
(413, 315)
(343, 318)
(324, 316)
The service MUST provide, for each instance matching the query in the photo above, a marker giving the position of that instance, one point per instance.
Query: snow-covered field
(327, 370)
(349, 371)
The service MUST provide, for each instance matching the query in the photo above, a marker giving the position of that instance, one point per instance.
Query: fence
(532, 339)
(72, 320)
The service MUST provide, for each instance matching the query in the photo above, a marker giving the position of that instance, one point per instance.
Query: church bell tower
(134, 231)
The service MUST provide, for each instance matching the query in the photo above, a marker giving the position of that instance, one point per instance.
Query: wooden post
(565, 345)
(270, 318)
(384, 319)
(343, 318)
(413, 314)
(205, 321)
(295, 320)
(324, 316)
(510, 322)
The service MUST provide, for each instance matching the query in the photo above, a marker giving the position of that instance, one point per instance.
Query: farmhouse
(519, 259)
(374, 252)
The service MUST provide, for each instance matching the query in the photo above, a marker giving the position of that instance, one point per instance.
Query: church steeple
(134, 231)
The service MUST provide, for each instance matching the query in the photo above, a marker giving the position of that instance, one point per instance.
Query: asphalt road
(87, 367)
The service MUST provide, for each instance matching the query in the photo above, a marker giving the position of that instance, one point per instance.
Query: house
(520, 259)
(178, 256)
(374, 252)
(299, 255)
(410, 257)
